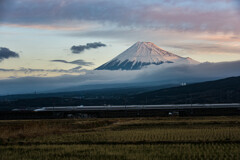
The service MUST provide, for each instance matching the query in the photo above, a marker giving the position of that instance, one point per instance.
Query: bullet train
(138, 107)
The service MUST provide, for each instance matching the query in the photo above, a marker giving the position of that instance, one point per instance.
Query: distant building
(183, 84)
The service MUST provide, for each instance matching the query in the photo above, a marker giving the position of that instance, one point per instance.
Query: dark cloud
(5, 53)
(237, 5)
(3, 8)
(77, 62)
(81, 48)
(77, 68)
(198, 15)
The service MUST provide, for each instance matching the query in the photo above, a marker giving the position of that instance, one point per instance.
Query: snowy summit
(142, 54)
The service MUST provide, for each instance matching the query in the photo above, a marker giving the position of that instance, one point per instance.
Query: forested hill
(219, 91)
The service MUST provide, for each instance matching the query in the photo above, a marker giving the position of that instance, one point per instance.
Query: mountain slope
(142, 54)
(219, 91)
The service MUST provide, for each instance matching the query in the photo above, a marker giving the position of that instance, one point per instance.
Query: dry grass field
(126, 138)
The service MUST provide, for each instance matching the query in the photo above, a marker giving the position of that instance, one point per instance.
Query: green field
(126, 138)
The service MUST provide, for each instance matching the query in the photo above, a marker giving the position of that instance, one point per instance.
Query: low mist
(154, 74)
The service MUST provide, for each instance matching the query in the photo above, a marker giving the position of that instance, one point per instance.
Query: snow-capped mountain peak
(142, 54)
(146, 52)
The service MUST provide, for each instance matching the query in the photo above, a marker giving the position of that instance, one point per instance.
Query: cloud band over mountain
(153, 74)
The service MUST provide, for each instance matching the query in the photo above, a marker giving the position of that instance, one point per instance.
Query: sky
(59, 38)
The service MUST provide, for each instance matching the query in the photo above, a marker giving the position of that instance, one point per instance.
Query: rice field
(126, 138)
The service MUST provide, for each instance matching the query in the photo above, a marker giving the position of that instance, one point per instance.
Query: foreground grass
(142, 138)
(160, 151)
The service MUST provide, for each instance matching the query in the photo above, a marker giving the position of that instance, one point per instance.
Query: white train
(138, 107)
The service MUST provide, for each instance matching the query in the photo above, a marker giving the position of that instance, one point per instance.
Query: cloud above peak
(6, 53)
(80, 48)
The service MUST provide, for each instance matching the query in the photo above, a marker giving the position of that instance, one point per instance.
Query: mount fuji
(142, 54)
